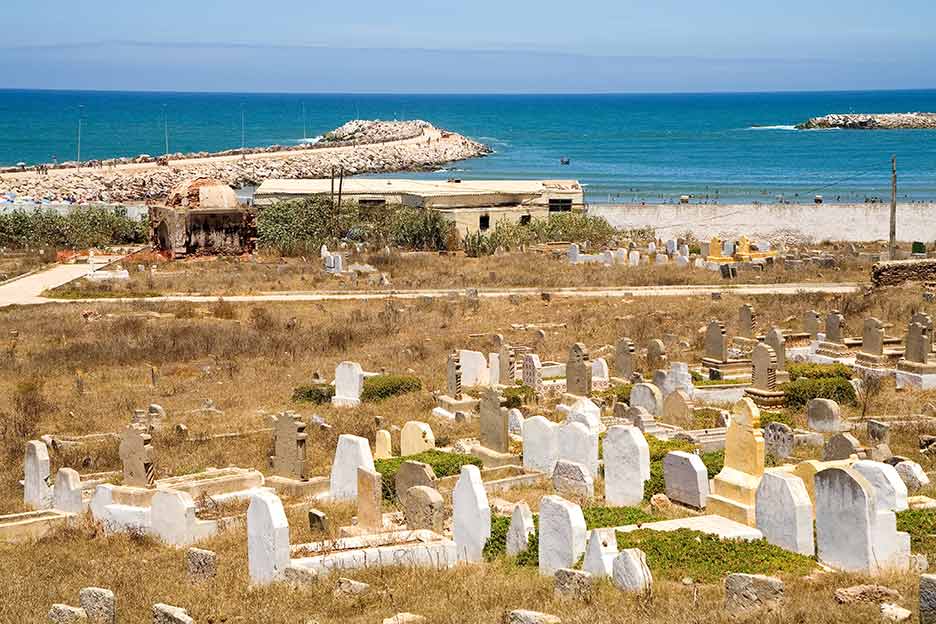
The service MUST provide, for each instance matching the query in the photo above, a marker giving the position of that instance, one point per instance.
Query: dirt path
(28, 293)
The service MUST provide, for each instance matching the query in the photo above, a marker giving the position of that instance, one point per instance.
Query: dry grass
(249, 358)
(228, 276)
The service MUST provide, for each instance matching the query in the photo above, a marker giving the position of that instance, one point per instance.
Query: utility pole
(892, 247)
(78, 159)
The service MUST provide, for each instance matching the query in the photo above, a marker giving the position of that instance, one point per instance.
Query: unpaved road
(27, 291)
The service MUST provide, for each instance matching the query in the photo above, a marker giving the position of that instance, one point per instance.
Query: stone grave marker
(415, 438)
(411, 474)
(289, 446)
(778, 440)
(424, 509)
(520, 530)
(136, 454)
(471, 515)
(37, 489)
(872, 337)
(840, 446)
(562, 534)
(746, 321)
(835, 327)
(573, 479)
(493, 420)
(579, 371)
(627, 465)
(784, 512)
(349, 381)
(777, 342)
(267, 538)
(454, 376)
(647, 396)
(811, 324)
(579, 444)
(656, 354)
(677, 409)
(716, 342)
(823, 415)
(352, 452)
(624, 358)
(686, 478)
(369, 496)
(533, 373)
(540, 444)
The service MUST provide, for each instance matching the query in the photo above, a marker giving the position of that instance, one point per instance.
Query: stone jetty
(862, 121)
(356, 147)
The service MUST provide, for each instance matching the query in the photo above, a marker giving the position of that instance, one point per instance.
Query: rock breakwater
(882, 121)
(356, 147)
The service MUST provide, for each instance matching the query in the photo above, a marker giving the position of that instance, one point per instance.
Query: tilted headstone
(656, 354)
(416, 437)
(686, 478)
(878, 431)
(520, 530)
(823, 415)
(267, 538)
(289, 446)
(136, 454)
(540, 444)
(835, 327)
(716, 342)
(840, 446)
(352, 452)
(369, 497)
(784, 512)
(411, 474)
(918, 344)
(578, 371)
(471, 515)
(507, 367)
(627, 465)
(493, 419)
(889, 490)
(677, 409)
(424, 508)
(811, 323)
(746, 320)
(624, 358)
(562, 534)
(37, 488)
(630, 572)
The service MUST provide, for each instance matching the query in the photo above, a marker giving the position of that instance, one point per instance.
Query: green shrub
(496, 545)
(601, 517)
(804, 389)
(517, 396)
(780, 417)
(380, 387)
(921, 525)
(818, 371)
(80, 228)
(672, 555)
(319, 394)
(714, 462)
(507, 235)
(529, 558)
(620, 391)
(443, 465)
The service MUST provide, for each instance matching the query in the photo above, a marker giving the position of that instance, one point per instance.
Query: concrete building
(473, 205)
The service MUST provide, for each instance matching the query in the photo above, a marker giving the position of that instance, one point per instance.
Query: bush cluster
(818, 371)
(443, 465)
(804, 389)
(80, 228)
(569, 226)
(380, 387)
(319, 394)
(517, 396)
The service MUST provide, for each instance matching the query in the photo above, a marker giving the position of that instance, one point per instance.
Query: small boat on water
(564, 161)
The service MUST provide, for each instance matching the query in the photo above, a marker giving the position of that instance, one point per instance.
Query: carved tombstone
(579, 371)
(918, 344)
(777, 342)
(624, 358)
(656, 354)
(454, 376)
(764, 367)
(507, 365)
(136, 454)
(926, 321)
(533, 373)
(716, 342)
(289, 446)
(746, 319)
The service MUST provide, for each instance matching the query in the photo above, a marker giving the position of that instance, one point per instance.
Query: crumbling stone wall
(894, 272)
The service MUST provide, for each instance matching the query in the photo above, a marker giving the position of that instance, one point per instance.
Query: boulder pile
(863, 121)
(371, 147)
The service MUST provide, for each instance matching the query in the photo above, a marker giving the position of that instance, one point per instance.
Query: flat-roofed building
(473, 205)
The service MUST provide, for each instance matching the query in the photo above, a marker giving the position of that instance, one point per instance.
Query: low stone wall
(894, 272)
(776, 222)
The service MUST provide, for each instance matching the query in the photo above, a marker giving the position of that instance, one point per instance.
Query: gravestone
(267, 538)
(494, 434)
(777, 342)
(784, 512)
(840, 446)
(352, 452)
(540, 444)
(890, 492)
(349, 381)
(520, 530)
(579, 444)
(383, 445)
(573, 479)
(686, 478)
(600, 551)
(778, 440)
(562, 534)
(533, 373)
(735, 487)
(878, 432)
(917, 344)
(37, 490)
(823, 415)
(716, 342)
(506, 362)
(369, 496)
(66, 495)
(412, 474)
(579, 371)
(630, 572)
(289, 446)
(656, 354)
(471, 515)
(746, 320)
(454, 376)
(627, 465)
(872, 337)
(474, 368)
(647, 396)
(136, 454)
(811, 324)
(515, 421)
(764, 367)
(415, 438)
(424, 508)
(677, 409)
(633, 257)
(835, 327)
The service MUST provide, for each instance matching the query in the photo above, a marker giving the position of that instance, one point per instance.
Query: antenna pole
(892, 247)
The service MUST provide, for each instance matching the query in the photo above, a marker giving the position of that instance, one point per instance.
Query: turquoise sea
(653, 147)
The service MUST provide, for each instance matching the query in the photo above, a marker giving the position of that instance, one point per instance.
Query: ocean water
(716, 147)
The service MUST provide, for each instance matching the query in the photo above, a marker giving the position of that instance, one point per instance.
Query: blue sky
(476, 46)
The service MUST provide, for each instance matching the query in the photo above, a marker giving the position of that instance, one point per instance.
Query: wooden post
(892, 247)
